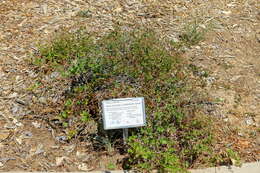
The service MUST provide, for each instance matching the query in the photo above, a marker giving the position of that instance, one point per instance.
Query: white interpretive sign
(123, 113)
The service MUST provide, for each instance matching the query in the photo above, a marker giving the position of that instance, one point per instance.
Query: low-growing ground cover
(133, 64)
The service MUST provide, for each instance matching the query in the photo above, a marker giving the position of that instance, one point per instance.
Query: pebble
(226, 12)
(13, 95)
(55, 147)
(54, 75)
(69, 148)
(59, 161)
(21, 102)
(19, 140)
(197, 47)
(249, 121)
(82, 156)
(240, 134)
(38, 150)
(210, 80)
(15, 109)
(1, 164)
(27, 134)
(17, 123)
(9, 126)
(83, 167)
(43, 100)
(61, 138)
(225, 119)
(36, 124)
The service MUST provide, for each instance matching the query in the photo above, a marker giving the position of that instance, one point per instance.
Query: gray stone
(27, 134)
(84, 167)
(69, 148)
(43, 100)
(61, 138)
(249, 121)
(54, 75)
(36, 124)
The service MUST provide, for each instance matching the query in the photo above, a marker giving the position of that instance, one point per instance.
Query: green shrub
(133, 64)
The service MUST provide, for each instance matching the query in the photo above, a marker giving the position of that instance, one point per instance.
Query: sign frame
(122, 100)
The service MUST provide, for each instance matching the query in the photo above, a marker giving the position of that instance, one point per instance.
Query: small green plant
(234, 157)
(35, 86)
(85, 116)
(84, 13)
(71, 134)
(64, 114)
(193, 35)
(68, 103)
(111, 166)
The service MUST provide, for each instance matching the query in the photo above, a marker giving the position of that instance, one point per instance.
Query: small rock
(249, 121)
(39, 149)
(240, 134)
(21, 102)
(27, 134)
(17, 78)
(36, 124)
(43, 100)
(232, 4)
(13, 95)
(61, 138)
(210, 80)
(69, 148)
(226, 12)
(17, 123)
(1, 164)
(225, 119)
(83, 167)
(19, 140)
(15, 109)
(197, 47)
(59, 161)
(9, 126)
(54, 75)
(202, 26)
(55, 147)
(82, 156)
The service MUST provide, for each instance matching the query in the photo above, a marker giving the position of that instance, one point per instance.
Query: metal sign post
(125, 135)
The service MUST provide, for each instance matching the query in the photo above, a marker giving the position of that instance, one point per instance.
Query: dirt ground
(230, 54)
